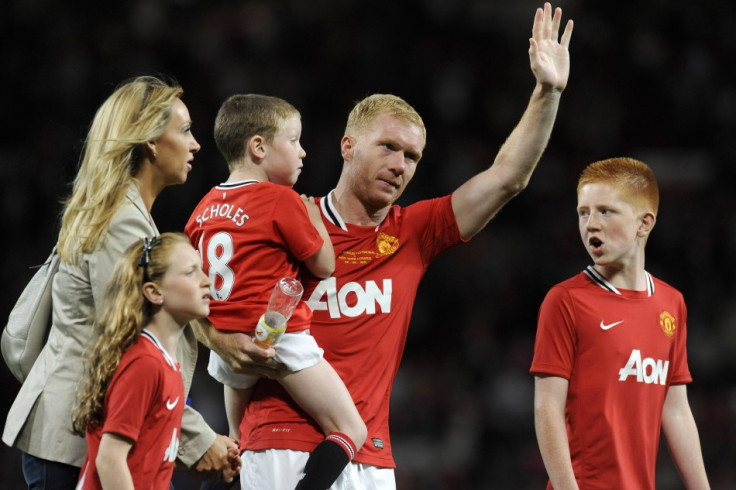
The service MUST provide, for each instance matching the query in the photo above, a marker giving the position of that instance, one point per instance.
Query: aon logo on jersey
(170, 454)
(352, 299)
(646, 370)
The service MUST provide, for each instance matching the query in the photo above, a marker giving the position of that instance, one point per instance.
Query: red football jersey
(251, 234)
(620, 351)
(144, 402)
(361, 318)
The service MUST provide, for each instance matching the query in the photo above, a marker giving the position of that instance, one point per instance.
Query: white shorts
(281, 469)
(297, 351)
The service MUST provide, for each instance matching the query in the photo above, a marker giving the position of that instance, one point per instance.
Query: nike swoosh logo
(170, 405)
(610, 325)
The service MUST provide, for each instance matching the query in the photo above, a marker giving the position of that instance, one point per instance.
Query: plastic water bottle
(285, 296)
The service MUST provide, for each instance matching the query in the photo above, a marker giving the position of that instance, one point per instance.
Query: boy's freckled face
(608, 225)
(283, 161)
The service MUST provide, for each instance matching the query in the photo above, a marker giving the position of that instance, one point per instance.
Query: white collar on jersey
(147, 334)
(232, 185)
(330, 212)
(603, 282)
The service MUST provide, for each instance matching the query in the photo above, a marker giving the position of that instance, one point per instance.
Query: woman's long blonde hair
(121, 318)
(136, 113)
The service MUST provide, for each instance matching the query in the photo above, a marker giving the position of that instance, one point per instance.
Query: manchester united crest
(387, 244)
(667, 322)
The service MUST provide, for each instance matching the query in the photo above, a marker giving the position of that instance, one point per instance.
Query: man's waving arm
(479, 199)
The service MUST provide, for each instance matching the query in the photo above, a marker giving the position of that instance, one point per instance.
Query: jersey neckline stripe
(602, 282)
(148, 335)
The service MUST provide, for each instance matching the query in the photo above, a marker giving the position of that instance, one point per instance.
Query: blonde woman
(131, 399)
(140, 141)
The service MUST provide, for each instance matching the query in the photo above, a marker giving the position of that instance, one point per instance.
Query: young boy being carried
(252, 231)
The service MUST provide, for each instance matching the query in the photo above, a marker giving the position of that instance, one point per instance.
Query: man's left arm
(682, 437)
(479, 199)
(196, 437)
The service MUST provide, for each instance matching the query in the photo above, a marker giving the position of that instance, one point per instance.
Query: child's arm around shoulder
(322, 263)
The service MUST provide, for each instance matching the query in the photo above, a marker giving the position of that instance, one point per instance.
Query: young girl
(131, 399)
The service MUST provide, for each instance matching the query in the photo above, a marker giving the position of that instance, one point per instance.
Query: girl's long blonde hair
(137, 112)
(120, 320)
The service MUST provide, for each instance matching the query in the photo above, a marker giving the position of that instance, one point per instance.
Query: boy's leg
(326, 462)
(236, 399)
(321, 393)
(319, 390)
(237, 389)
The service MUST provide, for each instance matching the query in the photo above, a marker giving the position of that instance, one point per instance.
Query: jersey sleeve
(291, 221)
(434, 223)
(130, 395)
(554, 346)
(680, 370)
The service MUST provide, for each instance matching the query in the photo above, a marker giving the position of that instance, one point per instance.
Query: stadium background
(649, 80)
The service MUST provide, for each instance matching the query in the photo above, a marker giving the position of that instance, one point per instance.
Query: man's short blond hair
(367, 110)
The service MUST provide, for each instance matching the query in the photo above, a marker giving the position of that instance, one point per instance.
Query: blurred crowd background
(650, 80)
